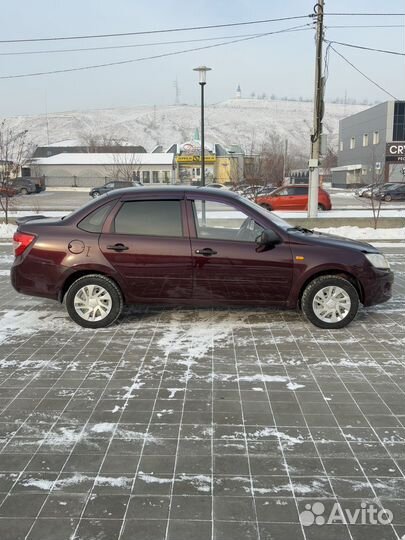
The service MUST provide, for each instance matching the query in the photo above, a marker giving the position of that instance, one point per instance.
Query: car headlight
(378, 260)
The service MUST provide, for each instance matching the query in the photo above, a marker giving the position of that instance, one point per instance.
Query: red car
(198, 246)
(7, 191)
(293, 198)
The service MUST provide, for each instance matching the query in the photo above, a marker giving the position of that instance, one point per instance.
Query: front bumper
(377, 288)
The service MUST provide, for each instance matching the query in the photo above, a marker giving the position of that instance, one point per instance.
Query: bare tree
(266, 165)
(126, 166)
(329, 161)
(14, 151)
(96, 141)
(378, 179)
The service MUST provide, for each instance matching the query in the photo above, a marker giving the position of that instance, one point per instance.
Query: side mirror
(267, 240)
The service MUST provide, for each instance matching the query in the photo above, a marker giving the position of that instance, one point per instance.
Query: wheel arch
(332, 272)
(80, 273)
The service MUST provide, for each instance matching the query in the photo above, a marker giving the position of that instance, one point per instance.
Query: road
(69, 200)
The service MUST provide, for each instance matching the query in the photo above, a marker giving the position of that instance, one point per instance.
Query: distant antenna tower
(177, 90)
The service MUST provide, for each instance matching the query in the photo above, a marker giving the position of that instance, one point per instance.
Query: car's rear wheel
(94, 301)
(321, 207)
(387, 198)
(330, 302)
(95, 194)
(266, 206)
(24, 191)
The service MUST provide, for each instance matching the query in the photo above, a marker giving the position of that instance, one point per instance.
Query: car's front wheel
(95, 194)
(94, 301)
(387, 198)
(330, 302)
(23, 191)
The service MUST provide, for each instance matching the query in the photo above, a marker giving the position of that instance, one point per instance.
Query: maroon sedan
(196, 246)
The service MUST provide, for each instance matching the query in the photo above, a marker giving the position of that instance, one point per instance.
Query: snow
(7, 231)
(235, 121)
(366, 233)
(101, 158)
(25, 322)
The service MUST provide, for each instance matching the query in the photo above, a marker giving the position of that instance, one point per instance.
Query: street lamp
(202, 72)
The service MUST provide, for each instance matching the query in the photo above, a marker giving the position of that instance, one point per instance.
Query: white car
(361, 192)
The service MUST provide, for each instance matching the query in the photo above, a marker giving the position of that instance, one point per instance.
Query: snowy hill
(237, 121)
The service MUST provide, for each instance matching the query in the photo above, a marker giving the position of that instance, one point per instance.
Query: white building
(94, 169)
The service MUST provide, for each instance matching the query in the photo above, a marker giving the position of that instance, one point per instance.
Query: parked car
(362, 190)
(24, 186)
(217, 185)
(113, 184)
(293, 198)
(6, 190)
(196, 246)
(391, 192)
(373, 189)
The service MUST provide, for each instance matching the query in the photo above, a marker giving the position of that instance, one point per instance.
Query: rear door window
(149, 218)
(95, 220)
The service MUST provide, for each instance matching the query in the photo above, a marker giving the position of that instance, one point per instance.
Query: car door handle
(207, 252)
(118, 247)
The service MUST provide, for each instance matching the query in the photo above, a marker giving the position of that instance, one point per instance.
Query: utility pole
(285, 158)
(318, 115)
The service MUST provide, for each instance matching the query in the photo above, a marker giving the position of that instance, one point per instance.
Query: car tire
(387, 198)
(266, 207)
(321, 207)
(23, 191)
(316, 295)
(95, 194)
(109, 308)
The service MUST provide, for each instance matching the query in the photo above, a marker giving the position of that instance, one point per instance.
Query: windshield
(269, 215)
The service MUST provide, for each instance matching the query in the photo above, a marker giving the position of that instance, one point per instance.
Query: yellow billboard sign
(195, 159)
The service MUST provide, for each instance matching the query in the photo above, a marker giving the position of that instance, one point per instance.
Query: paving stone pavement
(181, 424)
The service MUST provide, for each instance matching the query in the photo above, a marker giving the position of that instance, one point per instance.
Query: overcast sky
(276, 64)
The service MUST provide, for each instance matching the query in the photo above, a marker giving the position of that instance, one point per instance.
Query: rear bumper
(33, 282)
(377, 288)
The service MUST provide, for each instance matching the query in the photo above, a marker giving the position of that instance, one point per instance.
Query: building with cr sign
(371, 146)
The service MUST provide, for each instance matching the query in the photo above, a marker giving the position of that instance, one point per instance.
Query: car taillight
(21, 241)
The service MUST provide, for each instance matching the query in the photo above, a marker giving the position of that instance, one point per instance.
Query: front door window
(219, 221)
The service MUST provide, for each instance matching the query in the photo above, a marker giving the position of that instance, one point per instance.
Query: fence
(92, 181)
(76, 181)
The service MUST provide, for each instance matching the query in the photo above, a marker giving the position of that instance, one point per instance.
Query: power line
(365, 26)
(363, 74)
(366, 14)
(136, 45)
(133, 60)
(365, 48)
(147, 32)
